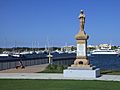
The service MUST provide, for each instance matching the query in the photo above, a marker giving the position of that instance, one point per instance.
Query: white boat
(99, 51)
(25, 52)
(16, 55)
(4, 55)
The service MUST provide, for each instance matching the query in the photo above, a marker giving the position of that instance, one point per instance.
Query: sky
(36, 23)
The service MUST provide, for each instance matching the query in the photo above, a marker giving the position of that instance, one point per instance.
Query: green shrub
(54, 69)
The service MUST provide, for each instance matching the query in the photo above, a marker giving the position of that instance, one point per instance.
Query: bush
(54, 69)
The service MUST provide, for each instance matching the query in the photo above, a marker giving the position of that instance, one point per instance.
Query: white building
(104, 46)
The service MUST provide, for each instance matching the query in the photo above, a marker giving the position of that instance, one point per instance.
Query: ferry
(100, 51)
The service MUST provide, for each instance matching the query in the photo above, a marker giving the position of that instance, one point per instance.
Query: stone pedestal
(81, 73)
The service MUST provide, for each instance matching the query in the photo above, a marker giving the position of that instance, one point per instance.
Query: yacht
(103, 51)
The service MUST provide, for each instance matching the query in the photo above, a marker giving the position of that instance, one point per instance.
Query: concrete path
(53, 76)
(28, 69)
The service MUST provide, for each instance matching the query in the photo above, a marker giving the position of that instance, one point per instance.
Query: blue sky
(55, 22)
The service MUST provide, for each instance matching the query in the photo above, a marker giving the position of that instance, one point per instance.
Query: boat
(4, 55)
(104, 51)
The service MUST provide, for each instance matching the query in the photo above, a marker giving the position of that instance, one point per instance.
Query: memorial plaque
(81, 50)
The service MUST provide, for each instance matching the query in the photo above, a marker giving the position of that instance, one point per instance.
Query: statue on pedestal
(81, 58)
(81, 66)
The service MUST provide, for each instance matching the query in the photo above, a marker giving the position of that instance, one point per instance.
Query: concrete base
(81, 67)
(81, 73)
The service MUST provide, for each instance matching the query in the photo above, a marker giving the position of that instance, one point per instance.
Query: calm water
(106, 62)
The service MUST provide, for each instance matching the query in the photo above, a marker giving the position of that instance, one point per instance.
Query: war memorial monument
(81, 66)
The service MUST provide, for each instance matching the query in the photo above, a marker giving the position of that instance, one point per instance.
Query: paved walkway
(53, 76)
(28, 69)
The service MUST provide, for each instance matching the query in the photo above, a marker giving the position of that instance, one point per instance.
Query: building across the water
(104, 46)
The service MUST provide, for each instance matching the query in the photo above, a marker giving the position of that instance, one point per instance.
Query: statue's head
(81, 11)
(81, 14)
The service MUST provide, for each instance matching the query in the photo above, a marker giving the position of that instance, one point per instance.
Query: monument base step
(81, 67)
(81, 73)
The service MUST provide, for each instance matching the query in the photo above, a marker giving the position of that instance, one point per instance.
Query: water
(106, 62)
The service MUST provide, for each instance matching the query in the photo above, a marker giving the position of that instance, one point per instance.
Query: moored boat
(105, 51)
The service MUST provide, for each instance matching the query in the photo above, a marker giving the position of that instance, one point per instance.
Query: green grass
(111, 72)
(57, 85)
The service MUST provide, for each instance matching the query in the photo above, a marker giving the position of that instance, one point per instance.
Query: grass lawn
(111, 72)
(6, 84)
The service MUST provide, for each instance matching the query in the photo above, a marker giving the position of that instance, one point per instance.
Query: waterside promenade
(28, 69)
(54, 76)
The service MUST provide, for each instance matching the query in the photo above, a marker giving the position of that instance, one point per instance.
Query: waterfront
(104, 62)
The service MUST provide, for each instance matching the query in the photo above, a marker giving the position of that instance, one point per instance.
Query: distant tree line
(115, 47)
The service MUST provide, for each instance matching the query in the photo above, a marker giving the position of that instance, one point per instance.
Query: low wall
(29, 62)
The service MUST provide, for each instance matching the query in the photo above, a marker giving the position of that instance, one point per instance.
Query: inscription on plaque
(81, 50)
